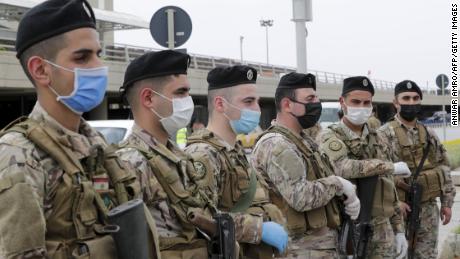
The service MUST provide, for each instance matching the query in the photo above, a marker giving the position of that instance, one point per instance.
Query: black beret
(222, 77)
(296, 80)
(408, 86)
(156, 64)
(51, 18)
(361, 83)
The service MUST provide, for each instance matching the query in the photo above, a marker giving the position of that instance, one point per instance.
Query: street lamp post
(266, 24)
(301, 13)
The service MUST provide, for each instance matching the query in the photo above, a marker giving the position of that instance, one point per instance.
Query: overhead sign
(171, 26)
(442, 80)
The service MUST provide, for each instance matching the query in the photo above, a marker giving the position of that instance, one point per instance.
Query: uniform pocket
(240, 183)
(56, 250)
(389, 196)
(178, 189)
(317, 218)
(332, 214)
(432, 182)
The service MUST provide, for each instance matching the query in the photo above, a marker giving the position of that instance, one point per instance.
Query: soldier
(358, 153)
(233, 109)
(409, 138)
(300, 181)
(51, 205)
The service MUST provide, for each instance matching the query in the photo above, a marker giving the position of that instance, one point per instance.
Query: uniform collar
(80, 141)
(404, 125)
(221, 141)
(151, 142)
(351, 134)
(301, 135)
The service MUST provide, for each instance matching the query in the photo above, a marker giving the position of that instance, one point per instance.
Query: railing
(126, 53)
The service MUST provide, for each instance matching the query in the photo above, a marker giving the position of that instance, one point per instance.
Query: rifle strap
(153, 231)
(425, 155)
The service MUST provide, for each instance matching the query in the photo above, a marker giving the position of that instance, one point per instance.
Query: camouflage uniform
(210, 157)
(427, 238)
(285, 170)
(314, 131)
(43, 176)
(168, 223)
(382, 244)
(374, 123)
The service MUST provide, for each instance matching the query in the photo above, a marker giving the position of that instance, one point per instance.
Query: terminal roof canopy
(12, 11)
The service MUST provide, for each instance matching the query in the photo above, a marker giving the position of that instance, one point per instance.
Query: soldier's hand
(274, 234)
(352, 206)
(401, 169)
(405, 208)
(446, 214)
(348, 189)
(401, 245)
(352, 203)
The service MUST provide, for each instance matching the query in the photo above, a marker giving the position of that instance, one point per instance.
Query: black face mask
(410, 112)
(311, 116)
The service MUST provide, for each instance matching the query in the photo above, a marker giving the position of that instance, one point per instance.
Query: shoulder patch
(334, 148)
(200, 168)
(335, 145)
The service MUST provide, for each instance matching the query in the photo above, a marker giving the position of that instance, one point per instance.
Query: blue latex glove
(274, 234)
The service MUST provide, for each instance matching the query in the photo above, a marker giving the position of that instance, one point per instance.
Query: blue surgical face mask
(247, 122)
(88, 89)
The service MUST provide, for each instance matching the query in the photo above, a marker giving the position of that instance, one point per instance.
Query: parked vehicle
(437, 118)
(114, 131)
(329, 113)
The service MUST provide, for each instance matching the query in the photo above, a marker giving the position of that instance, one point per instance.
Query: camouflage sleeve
(22, 190)
(248, 228)
(396, 220)
(351, 168)
(385, 134)
(448, 195)
(286, 172)
(208, 166)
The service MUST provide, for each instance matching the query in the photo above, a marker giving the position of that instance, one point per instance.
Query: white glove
(352, 203)
(348, 189)
(352, 207)
(401, 245)
(401, 169)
